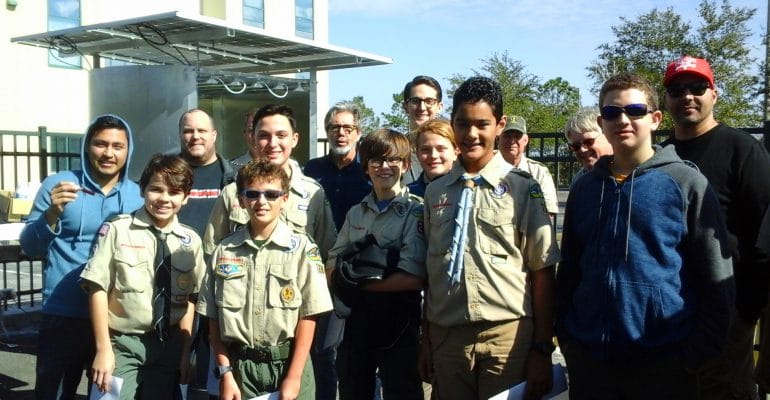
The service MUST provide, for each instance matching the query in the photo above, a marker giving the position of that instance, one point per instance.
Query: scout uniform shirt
(509, 234)
(122, 264)
(258, 294)
(398, 225)
(306, 210)
(542, 175)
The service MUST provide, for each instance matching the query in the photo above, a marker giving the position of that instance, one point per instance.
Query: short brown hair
(261, 170)
(629, 80)
(384, 143)
(175, 172)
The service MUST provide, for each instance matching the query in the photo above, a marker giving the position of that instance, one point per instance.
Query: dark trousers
(65, 349)
(358, 362)
(590, 379)
(328, 334)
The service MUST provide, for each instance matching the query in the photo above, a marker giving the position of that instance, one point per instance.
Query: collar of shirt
(295, 182)
(492, 173)
(402, 198)
(142, 219)
(282, 237)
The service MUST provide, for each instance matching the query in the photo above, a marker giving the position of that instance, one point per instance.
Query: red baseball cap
(689, 65)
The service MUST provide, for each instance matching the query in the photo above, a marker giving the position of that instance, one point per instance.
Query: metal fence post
(42, 133)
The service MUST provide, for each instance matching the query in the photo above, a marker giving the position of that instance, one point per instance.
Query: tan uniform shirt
(306, 210)
(399, 225)
(123, 265)
(259, 294)
(543, 176)
(509, 234)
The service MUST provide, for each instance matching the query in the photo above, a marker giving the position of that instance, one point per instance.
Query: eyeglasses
(416, 101)
(392, 161)
(269, 195)
(347, 129)
(610, 113)
(576, 146)
(697, 88)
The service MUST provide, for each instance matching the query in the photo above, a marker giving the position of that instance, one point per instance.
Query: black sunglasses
(270, 195)
(697, 88)
(610, 113)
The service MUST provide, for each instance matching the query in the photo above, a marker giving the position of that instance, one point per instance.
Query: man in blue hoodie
(645, 286)
(68, 211)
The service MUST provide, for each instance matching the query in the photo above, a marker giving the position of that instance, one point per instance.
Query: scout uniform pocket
(230, 287)
(282, 289)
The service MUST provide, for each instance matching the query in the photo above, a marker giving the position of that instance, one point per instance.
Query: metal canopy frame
(214, 46)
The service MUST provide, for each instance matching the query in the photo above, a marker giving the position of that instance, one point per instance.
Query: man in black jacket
(736, 166)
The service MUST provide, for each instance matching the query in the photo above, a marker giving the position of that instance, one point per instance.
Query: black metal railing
(29, 157)
(41, 153)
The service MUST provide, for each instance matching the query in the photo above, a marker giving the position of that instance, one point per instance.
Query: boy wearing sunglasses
(382, 245)
(262, 294)
(645, 284)
(307, 210)
(736, 166)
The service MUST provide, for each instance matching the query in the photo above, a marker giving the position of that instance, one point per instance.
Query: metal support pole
(767, 80)
(42, 133)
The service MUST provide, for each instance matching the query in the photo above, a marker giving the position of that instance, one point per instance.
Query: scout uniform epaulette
(522, 173)
(118, 217)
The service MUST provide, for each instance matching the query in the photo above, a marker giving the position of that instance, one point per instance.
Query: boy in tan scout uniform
(381, 330)
(306, 210)
(141, 302)
(262, 295)
(489, 303)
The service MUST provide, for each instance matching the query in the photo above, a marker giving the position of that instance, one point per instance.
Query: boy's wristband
(221, 370)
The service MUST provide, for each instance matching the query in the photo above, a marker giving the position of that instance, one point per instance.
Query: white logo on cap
(686, 63)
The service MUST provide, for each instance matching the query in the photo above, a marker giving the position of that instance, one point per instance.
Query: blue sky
(552, 38)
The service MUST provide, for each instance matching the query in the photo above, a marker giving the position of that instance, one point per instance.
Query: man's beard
(341, 151)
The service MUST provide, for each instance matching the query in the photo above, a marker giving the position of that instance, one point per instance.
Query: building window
(303, 18)
(63, 14)
(254, 13)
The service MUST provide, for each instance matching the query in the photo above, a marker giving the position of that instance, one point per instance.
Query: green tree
(397, 118)
(369, 122)
(546, 106)
(649, 42)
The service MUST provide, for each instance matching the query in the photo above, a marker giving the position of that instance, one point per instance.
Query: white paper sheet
(113, 394)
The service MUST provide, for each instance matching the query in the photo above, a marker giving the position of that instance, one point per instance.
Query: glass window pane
(254, 16)
(69, 9)
(303, 18)
(63, 14)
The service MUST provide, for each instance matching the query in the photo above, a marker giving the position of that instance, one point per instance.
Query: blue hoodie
(68, 247)
(645, 271)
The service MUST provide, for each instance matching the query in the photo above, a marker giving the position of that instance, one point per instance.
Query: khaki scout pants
(479, 360)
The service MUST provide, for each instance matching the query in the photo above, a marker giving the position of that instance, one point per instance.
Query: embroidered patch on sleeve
(535, 192)
(104, 229)
(313, 254)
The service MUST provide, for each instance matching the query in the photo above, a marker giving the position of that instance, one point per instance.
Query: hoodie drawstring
(628, 218)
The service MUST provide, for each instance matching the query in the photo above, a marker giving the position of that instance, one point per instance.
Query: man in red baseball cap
(735, 164)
